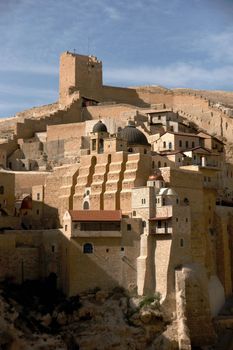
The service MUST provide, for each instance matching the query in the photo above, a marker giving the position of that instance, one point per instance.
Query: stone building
(121, 187)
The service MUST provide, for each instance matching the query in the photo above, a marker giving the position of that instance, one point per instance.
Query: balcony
(99, 233)
(161, 231)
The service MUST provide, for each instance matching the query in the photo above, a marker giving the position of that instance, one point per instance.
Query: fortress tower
(79, 73)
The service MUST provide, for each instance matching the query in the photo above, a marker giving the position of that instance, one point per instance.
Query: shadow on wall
(39, 216)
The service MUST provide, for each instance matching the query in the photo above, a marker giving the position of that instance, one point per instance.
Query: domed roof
(133, 136)
(99, 127)
(26, 203)
(156, 177)
(167, 192)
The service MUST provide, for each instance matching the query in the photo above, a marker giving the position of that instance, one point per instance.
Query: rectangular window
(38, 196)
(186, 144)
(159, 224)
(180, 143)
(93, 145)
(129, 227)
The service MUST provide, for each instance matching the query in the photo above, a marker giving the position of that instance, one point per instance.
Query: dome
(99, 127)
(167, 192)
(26, 203)
(156, 177)
(133, 136)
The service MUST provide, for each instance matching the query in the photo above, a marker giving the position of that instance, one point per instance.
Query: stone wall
(32, 255)
(25, 180)
(112, 263)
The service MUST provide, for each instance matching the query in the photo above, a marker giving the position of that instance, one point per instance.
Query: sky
(171, 43)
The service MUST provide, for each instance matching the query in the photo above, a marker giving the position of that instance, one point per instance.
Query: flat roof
(158, 218)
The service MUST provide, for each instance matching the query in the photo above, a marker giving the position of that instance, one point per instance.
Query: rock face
(98, 321)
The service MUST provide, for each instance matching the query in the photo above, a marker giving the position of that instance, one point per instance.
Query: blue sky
(173, 43)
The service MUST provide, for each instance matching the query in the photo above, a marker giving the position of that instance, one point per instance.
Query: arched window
(94, 145)
(130, 150)
(101, 146)
(165, 164)
(159, 164)
(153, 164)
(170, 145)
(1, 189)
(186, 201)
(86, 205)
(88, 248)
(164, 144)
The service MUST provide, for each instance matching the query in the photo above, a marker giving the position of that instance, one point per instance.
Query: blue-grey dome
(99, 127)
(133, 136)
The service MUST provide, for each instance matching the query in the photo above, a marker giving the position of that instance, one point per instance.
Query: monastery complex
(128, 187)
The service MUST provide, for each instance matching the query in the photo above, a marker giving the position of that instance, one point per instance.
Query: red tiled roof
(95, 215)
(160, 218)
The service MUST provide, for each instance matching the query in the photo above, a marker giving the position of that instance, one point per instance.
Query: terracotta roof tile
(95, 215)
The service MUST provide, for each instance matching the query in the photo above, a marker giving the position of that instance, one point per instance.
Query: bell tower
(79, 74)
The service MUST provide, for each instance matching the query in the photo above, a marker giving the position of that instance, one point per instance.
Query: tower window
(88, 248)
(86, 205)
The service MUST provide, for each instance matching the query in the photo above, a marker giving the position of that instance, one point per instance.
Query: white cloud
(176, 75)
(217, 46)
(24, 91)
(22, 67)
(112, 13)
